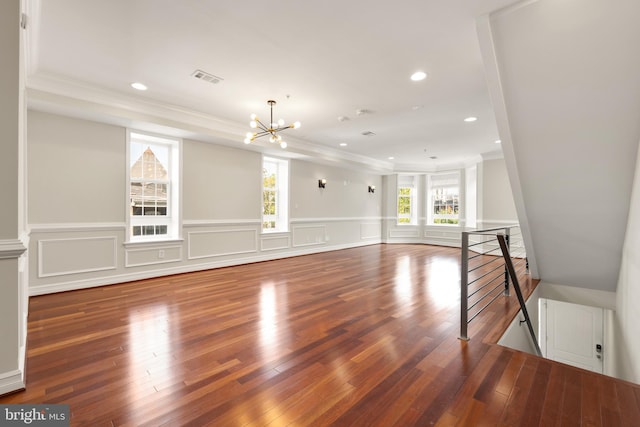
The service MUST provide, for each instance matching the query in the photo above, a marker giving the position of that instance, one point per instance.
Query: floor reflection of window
(444, 278)
(268, 320)
(149, 350)
(403, 285)
(273, 324)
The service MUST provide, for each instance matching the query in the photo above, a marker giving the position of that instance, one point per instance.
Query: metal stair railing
(486, 273)
(516, 287)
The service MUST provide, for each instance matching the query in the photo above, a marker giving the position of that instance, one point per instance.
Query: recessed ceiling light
(417, 107)
(391, 158)
(418, 75)
(497, 141)
(470, 119)
(139, 86)
(343, 144)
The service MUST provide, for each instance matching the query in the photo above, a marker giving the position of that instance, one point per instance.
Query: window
(153, 187)
(406, 200)
(444, 199)
(275, 189)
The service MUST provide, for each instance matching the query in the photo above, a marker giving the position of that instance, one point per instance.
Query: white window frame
(174, 170)
(411, 182)
(281, 216)
(438, 181)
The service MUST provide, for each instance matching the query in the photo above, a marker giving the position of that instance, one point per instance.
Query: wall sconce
(322, 182)
(372, 189)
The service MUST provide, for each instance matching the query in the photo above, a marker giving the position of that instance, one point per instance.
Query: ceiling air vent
(202, 75)
(368, 133)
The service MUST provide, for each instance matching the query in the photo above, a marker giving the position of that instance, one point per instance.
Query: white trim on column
(11, 248)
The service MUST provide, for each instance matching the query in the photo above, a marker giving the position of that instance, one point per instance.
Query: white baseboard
(11, 381)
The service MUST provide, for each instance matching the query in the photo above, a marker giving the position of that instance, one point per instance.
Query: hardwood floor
(364, 336)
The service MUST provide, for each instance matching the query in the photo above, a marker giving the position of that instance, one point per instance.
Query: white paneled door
(572, 334)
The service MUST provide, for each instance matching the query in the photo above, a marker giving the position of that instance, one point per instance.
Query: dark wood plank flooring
(357, 337)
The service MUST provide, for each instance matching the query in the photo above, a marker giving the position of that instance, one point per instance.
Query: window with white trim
(443, 199)
(153, 187)
(407, 212)
(275, 193)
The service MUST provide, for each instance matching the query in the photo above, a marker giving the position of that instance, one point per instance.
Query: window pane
(404, 203)
(151, 184)
(268, 224)
(274, 194)
(445, 202)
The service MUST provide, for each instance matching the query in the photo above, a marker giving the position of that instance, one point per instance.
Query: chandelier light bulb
(283, 144)
(253, 124)
(296, 125)
(253, 117)
(281, 122)
(249, 135)
(272, 138)
(279, 138)
(247, 141)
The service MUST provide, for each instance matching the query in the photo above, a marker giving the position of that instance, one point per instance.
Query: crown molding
(58, 95)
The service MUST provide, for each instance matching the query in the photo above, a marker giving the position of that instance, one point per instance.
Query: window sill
(270, 232)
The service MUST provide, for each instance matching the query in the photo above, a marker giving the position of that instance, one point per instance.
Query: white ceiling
(318, 60)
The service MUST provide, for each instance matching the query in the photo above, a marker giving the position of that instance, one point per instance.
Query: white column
(13, 292)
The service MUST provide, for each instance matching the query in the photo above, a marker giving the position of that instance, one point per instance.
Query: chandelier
(272, 130)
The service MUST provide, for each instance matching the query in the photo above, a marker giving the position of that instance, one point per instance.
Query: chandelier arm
(261, 125)
(261, 134)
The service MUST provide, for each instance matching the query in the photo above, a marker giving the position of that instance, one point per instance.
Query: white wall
(497, 203)
(220, 183)
(76, 170)
(77, 196)
(628, 293)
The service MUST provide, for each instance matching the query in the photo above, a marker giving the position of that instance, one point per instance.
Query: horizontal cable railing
(485, 276)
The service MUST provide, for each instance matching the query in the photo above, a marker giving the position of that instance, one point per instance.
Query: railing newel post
(464, 290)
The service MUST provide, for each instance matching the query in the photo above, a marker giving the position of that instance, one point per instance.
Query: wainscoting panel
(400, 233)
(214, 243)
(442, 234)
(370, 230)
(149, 256)
(58, 257)
(309, 235)
(272, 243)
